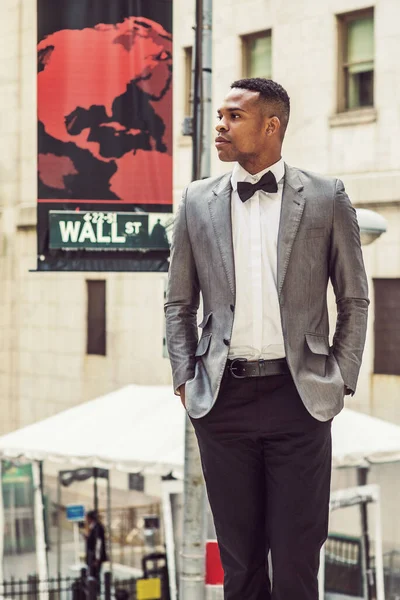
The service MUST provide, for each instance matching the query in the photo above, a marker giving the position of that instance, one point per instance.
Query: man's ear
(273, 126)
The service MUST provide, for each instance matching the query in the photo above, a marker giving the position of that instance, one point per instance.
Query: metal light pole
(202, 90)
(192, 585)
(206, 89)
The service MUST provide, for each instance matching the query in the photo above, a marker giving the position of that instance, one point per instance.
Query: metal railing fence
(86, 588)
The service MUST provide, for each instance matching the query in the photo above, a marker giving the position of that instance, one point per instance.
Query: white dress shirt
(257, 330)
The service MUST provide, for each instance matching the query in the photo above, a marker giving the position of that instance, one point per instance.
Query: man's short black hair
(92, 515)
(271, 92)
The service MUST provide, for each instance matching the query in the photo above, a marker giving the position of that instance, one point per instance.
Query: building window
(96, 317)
(387, 326)
(188, 81)
(356, 60)
(136, 482)
(257, 54)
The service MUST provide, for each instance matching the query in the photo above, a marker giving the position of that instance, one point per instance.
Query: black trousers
(267, 467)
(95, 573)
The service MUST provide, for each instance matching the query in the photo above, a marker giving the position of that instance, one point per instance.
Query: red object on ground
(214, 571)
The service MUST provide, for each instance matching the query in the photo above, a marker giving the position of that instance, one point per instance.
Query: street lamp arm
(371, 225)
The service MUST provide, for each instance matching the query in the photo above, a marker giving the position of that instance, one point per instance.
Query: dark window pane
(366, 87)
(136, 482)
(96, 317)
(360, 89)
(387, 326)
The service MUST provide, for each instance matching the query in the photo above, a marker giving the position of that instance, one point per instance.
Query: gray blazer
(318, 240)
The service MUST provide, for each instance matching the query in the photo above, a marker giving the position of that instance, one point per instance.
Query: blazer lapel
(220, 209)
(291, 213)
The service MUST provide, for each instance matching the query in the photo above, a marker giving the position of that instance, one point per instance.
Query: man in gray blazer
(262, 384)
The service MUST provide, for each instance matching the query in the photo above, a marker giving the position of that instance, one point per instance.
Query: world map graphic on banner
(104, 98)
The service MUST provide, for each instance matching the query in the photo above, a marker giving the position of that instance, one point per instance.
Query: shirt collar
(240, 174)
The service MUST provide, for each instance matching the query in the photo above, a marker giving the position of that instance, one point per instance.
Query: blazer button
(232, 308)
(226, 342)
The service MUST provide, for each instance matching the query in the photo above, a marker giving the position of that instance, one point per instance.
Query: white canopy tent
(141, 428)
(359, 439)
(136, 428)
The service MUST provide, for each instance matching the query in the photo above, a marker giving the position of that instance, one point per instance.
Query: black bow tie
(267, 183)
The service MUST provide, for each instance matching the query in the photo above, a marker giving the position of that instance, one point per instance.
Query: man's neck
(256, 165)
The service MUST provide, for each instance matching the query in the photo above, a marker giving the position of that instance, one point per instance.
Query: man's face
(242, 125)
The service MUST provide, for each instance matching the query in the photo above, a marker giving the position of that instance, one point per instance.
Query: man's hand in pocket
(182, 394)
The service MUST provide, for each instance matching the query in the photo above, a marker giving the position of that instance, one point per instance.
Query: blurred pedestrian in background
(96, 553)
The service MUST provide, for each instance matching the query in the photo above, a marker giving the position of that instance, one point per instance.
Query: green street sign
(16, 474)
(70, 230)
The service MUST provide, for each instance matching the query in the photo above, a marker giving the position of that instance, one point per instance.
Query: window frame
(342, 21)
(136, 482)
(246, 40)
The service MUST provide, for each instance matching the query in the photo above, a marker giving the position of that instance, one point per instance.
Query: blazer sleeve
(182, 301)
(350, 285)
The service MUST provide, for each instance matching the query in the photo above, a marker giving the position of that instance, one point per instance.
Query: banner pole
(192, 578)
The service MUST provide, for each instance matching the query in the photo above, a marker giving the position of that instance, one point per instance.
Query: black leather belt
(241, 367)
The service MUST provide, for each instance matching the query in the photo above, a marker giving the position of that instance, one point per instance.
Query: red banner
(104, 110)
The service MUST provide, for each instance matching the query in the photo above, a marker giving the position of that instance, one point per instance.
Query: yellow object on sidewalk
(148, 589)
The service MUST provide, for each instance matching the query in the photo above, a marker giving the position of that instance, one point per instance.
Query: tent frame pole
(95, 491)
(59, 525)
(380, 584)
(367, 575)
(109, 522)
(2, 523)
(41, 549)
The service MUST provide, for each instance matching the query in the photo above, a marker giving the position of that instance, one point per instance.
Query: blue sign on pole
(75, 512)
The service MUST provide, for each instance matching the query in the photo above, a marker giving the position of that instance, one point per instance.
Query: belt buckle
(231, 367)
(261, 363)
